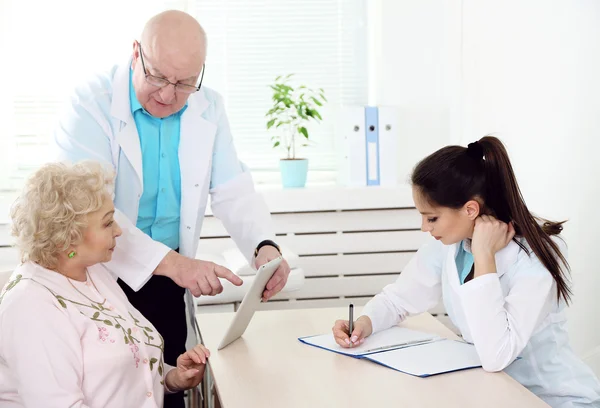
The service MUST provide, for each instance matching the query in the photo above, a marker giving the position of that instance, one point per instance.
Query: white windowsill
(321, 191)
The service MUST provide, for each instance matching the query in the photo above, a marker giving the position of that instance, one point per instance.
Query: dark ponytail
(454, 175)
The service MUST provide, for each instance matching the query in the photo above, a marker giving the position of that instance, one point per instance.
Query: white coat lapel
(127, 135)
(195, 161)
(506, 257)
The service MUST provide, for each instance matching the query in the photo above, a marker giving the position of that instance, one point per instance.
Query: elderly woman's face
(99, 238)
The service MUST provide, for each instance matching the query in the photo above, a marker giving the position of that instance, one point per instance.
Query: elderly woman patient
(68, 335)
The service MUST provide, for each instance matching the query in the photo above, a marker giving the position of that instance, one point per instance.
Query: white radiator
(351, 242)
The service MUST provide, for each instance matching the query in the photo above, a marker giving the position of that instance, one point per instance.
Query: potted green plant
(292, 110)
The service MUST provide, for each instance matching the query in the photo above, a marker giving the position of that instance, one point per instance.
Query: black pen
(351, 320)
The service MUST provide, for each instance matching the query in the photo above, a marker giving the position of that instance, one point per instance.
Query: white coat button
(189, 227)
(163, 155)
(162, 190)
(197, 185)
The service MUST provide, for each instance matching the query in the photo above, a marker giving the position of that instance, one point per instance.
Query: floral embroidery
(104, 335)
(135, 351)
(9, 285)
(102, 315)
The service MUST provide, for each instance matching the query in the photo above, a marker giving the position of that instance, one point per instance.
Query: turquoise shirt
(160, 204)
(464, 262)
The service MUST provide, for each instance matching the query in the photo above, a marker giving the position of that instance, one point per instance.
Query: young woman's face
(447, 225)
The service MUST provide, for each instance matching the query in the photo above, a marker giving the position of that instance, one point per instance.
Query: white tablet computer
(250, 303)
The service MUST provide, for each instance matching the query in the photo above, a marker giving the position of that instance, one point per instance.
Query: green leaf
(271, 123)
(107, 322)
(148, 329)
(276, 144)
(160, 371)
(315, 113)
(129, 331)
(273, 110)
(289, 76)
(303, 131)
(95, 316)
(118, 326)
(126, 339)
(278, 78)
(323, 97)
(62, 302)
(315, 100)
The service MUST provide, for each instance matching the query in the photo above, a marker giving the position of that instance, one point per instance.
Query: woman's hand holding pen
(362, 329)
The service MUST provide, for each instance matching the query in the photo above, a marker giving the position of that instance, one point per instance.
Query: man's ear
(135, 54)
(473, 209)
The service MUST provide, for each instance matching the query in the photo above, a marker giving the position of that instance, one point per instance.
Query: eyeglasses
(162, 82)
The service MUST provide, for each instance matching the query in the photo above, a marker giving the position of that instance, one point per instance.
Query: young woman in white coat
(501, 272)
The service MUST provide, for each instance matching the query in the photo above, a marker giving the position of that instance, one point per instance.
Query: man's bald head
(175, 35)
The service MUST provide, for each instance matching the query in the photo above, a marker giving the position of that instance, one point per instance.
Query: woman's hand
(489, 236)
(190, 369)
(362, 329)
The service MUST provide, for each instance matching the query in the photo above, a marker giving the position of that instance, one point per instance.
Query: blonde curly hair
(50, 214)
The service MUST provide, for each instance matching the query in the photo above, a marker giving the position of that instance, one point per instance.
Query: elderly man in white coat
(168, 139)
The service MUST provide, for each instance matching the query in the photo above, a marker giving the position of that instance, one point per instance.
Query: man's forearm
(168, 264)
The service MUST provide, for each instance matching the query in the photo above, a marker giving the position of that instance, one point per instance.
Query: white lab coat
(98, 125)
(507, 314)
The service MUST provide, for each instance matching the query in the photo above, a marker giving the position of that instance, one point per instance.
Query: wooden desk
(269, 367)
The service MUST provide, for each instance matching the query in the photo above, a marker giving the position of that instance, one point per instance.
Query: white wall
(527, 71)
(417, 70)
(7, 145)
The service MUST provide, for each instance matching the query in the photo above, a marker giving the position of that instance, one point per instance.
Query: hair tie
(475, 150)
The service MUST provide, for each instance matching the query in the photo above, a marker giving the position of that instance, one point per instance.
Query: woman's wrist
(170, 383)
(484, 264)
(368, 325)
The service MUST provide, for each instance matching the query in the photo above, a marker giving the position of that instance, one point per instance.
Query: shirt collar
(466, 245)
(505, 258)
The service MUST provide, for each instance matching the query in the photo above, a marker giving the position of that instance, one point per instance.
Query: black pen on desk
(350, 320)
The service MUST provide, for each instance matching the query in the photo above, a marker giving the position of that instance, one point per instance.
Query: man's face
(176, 67)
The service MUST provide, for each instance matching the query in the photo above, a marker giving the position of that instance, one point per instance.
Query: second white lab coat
(98, 125)
(509, 314)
